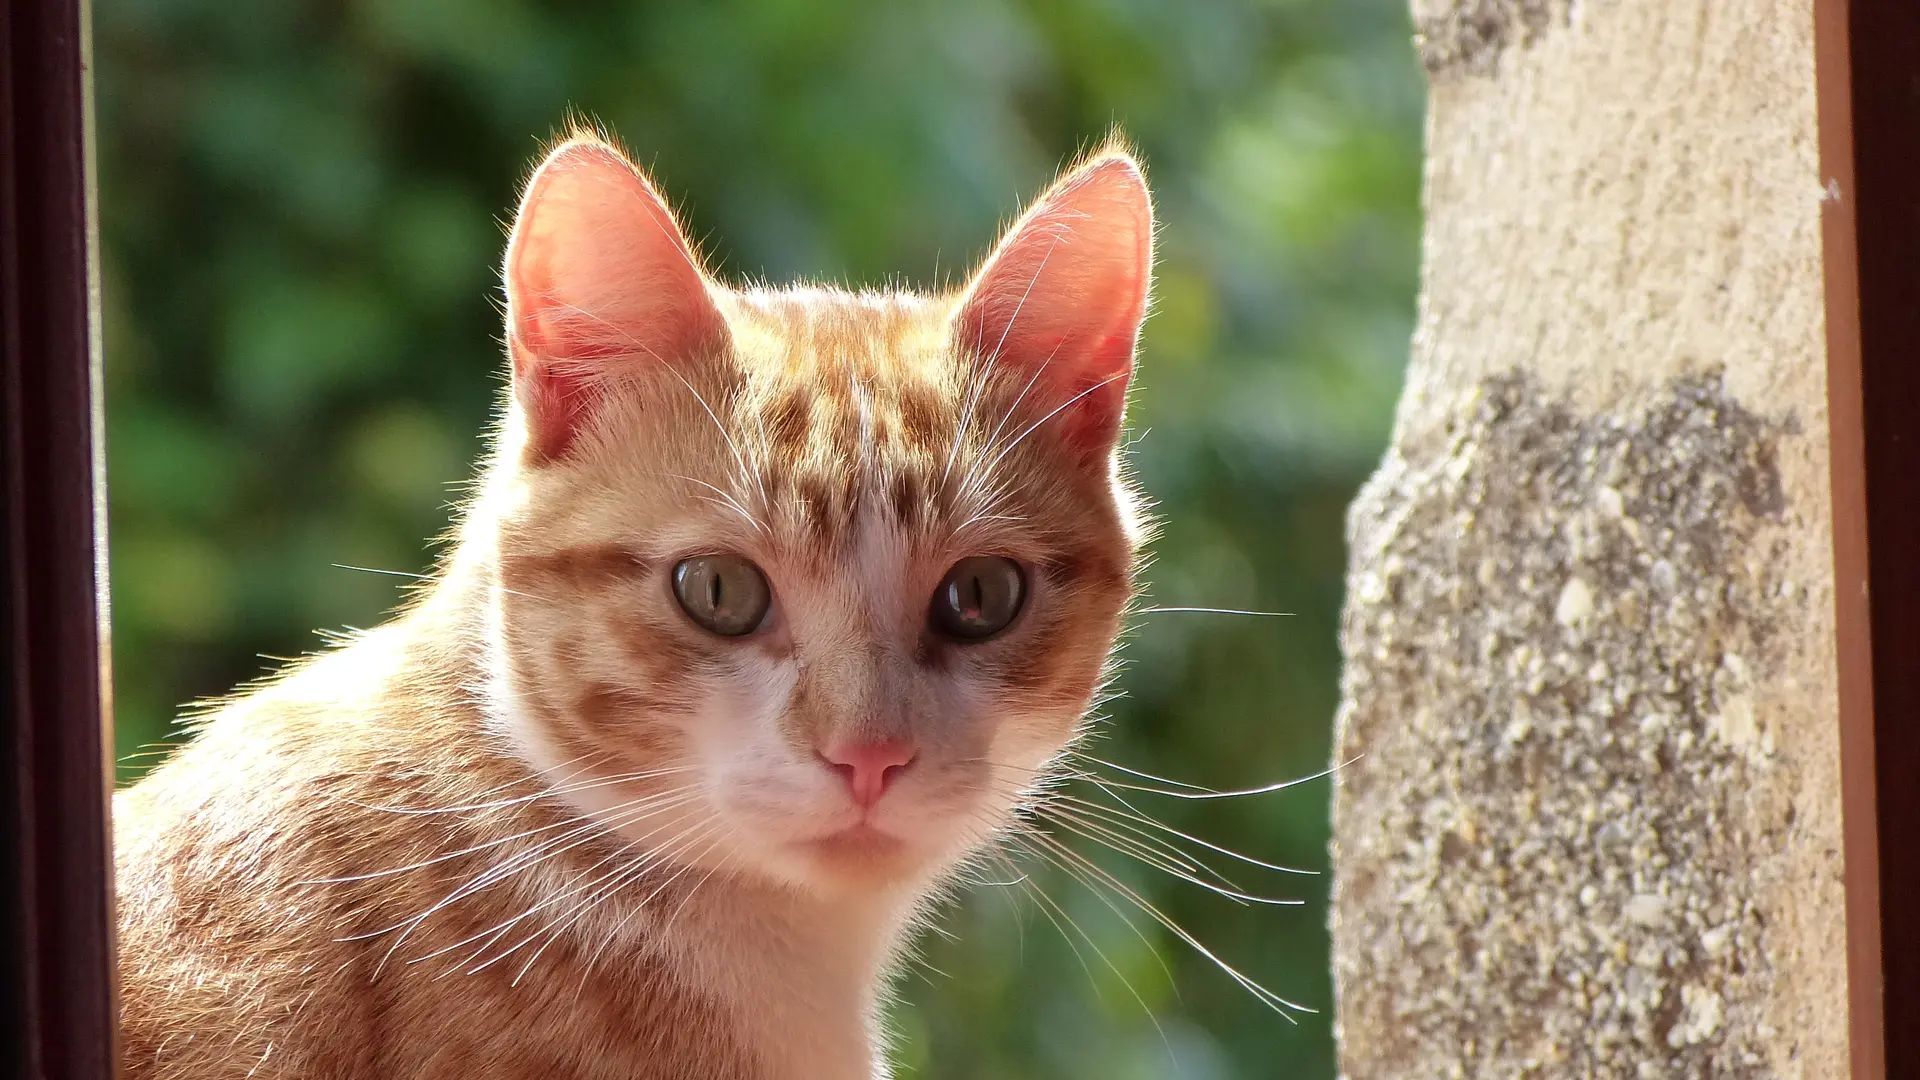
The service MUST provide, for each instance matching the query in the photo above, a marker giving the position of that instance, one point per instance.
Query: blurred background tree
(302, 205)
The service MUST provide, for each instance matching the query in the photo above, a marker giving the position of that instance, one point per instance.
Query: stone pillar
(1593, 827)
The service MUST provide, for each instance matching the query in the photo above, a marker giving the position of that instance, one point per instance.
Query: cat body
(772, 609)
(242, 956)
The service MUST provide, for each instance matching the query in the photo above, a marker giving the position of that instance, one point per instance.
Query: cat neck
(803, 978)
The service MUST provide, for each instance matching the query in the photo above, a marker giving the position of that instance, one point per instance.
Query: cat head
(802, 582)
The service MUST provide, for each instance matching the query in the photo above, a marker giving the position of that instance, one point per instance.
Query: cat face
(804, 583)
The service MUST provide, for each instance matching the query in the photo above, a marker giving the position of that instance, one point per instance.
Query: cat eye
(978, 598)
(724, 594)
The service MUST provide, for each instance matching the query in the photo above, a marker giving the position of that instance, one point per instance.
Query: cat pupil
(979, 598)
(723, 594)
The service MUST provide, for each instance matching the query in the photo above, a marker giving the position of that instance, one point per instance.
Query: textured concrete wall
(1595, 827)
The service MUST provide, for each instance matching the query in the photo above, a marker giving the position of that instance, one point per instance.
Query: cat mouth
(860, 841)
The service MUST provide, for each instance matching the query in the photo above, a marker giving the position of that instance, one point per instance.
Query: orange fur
(543, 825)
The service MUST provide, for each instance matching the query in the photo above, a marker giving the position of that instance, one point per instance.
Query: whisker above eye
(1032, 380)
(1210, 611)
(427, 578)
(389, 573)
(724, 499)
(1055, 411)
(733, 446)
(983, 371)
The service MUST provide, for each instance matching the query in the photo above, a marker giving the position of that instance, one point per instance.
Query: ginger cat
(773, 607)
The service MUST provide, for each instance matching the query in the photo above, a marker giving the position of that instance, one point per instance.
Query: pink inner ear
(599, 280)
(1062, 298)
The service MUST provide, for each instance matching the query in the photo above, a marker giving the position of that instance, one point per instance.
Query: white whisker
(1209, 611)
(990, 362)
(1278, 1004)
(1124, 981)
(1106, 838)
(1051, 413)
(609, 824)
(1265, 789)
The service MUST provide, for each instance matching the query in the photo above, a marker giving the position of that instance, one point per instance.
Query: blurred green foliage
(301, 204)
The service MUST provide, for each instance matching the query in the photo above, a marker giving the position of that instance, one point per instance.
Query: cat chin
(860, 861)
(841, 859)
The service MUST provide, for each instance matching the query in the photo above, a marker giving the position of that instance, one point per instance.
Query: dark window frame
(1869, 101)
(56, 906)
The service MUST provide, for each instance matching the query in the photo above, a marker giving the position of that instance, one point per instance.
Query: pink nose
(868, 767)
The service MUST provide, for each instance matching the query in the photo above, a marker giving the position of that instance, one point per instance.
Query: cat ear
(600, 282)
(1060, 301)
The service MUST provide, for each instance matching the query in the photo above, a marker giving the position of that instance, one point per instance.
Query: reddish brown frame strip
(1869, 91)
(56, 944)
